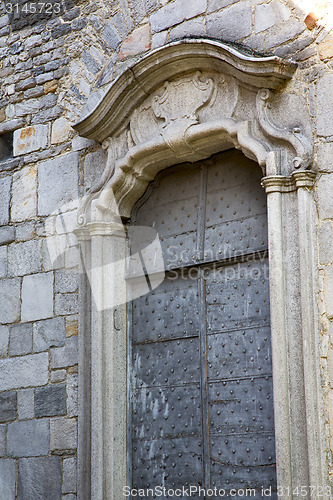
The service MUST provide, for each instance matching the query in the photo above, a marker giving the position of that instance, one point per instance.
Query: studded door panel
(170, 311)
(200, 372)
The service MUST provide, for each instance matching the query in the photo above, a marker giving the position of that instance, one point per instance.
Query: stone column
(304, 181)
(274, 186)
(108, 360)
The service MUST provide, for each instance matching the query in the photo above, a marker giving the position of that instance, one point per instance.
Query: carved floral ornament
(217, 98)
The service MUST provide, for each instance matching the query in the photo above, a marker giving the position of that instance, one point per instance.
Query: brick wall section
(49, 72)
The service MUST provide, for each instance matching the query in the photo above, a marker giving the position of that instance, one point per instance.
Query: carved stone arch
(185, 102)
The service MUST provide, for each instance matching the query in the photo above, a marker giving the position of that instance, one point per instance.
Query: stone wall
(50, 72)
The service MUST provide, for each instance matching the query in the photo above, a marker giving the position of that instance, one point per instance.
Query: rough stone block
(30, 139)
(69, 475)
(37, 297)
(136, 43)
(66, 222)
(49, 333)
(3, 262)
(25, 231)
(106, 75)
(50, 86)
(159, 39)
(54, 249)
(8, 406)
(24, 195)
(11, 125)
(24, 371)
(140, 8)
(33, 41)
(58, 375)
(44, 77)
(24, 258)
(10, 300)
(28, 438)
(27, 107)
(58, 183)
(266, 15)
(60, 130)
(79, 143)
(194, 27)
(63, 434)
(283, 32)
(35, 92)
(47, 115)
(325, 105)
(3, 439)
(176, 12)
(72, 325)
(91, 63)
(7, 479)
(66, 281)
(326, 48)
(119, 23)
(5, 184)
(111, 36)
(325, 157)
(7, 234)
(66, 303)
(50, 401)
(325, 240)
(61, 357)
(324, 196)
(329, 291)
(48, 101)
(232, 23)
(94, 165)
(72, 260)
(39, 478)
(20, 339)
(214, 5)
(72, 395)
(4, 340)
(4, 20)
(25, 404)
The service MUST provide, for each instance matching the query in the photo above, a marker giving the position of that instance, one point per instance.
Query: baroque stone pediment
(189, 111)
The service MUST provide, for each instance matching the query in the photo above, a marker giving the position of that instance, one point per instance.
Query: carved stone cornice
(139, 80)
(160, 112)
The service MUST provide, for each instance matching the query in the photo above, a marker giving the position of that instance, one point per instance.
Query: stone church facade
(98, 101)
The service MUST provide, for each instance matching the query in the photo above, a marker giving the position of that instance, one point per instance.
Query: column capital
(304, 178)
(287, 184)
(278, 184)
(82, 234)
(106, 229)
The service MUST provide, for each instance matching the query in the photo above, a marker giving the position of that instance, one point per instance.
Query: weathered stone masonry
(50, 73)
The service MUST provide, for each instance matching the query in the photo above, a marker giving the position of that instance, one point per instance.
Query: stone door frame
(146, 123)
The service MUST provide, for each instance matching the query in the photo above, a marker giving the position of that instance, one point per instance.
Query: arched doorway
(200, 406)
(146, 126)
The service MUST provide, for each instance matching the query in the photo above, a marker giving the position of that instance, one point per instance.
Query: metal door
(200, 376)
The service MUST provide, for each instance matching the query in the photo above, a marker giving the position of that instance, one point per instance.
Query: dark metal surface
(201, 399)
